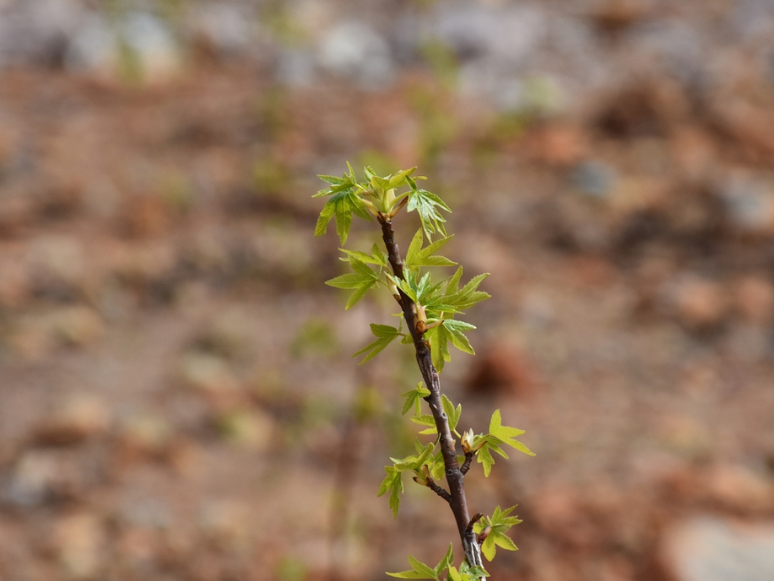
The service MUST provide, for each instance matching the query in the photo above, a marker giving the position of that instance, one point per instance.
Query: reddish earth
(178, 400)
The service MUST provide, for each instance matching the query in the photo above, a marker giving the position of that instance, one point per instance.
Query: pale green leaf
(385, 334)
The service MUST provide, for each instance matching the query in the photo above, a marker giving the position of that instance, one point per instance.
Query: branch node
(476, 517)
(438, 490)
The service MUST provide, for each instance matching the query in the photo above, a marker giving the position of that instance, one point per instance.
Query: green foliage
(434, 304)
(384, 336)
(466, 573)
(420, 570)
(496, 526)
(345, 201)
(414, 399)
(393, 482)
(427, 206)
(452, 413)
(360, 281)
(439, 302)
(484, 444)
(417, 256)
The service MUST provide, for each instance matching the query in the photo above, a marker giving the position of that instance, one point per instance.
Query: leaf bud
(484, 534)
(467, 441)
(423, 478)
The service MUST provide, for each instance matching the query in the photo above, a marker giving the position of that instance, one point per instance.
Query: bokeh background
(177, 400)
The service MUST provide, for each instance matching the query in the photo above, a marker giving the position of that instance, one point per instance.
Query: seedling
(429, 323)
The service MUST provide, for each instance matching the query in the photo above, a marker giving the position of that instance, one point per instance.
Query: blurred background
(177, 398)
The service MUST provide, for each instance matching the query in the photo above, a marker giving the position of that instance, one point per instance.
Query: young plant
(429, 309)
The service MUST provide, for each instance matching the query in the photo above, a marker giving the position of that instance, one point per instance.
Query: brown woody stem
(439, 491)
(466, 464)
(455, 477)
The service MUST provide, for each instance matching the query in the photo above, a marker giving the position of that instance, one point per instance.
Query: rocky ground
(177, 400)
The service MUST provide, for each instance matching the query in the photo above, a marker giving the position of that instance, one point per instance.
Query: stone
(736, 486)
(75, 326)
(754, 299)
(207, 373)
(697, 303)
(355, 50)
(81, 417)
(30, 481)
(249, 428)
(224, 28)
(144, 434)
(76, 542)
(594, 178)
(710, 548)
(748, 204)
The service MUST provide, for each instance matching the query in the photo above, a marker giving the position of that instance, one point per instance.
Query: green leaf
(427, 206)
(452, 413)
(336, 181)
(468, 295)
(417, 256)
(360, 281)
(414, 247)
(425, 420)
(474, 573)
(424, 455)
(484, 457)
(420, 570)
(393, 483)
(414, 399)
(445, 563)
(358, 294)
(399, 179)
(376, 257)
(439, 346)
(456, 332)
(499, 434)
(498, 524)
(345, 201)
(453, 283)
(384, 336)
(495, 422)
(414, 462)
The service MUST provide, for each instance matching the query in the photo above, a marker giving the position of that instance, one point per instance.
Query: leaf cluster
(484, 444)
(420, 570)
(374, 196)
(496, 526)
(393, 482)
(437, 303)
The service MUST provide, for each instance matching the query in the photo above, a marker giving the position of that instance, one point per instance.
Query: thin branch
(476, 517)
(454, 475)
(466, 465)
(438, 490)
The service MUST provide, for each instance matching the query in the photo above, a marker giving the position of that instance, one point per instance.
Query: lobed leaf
(414, 399)
(345, 200)
(452, 413)
(417, 256)
(393, 483)
(428, 206)
(384, 336)
(498, 524)
(360, 281)
(420, 570)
